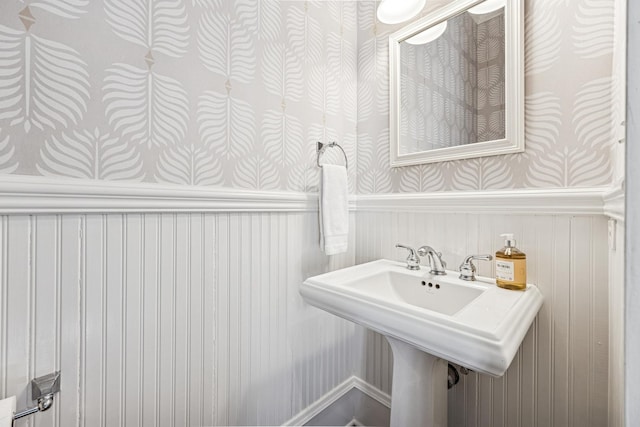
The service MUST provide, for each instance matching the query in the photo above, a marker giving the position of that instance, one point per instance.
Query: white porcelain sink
(474, 324)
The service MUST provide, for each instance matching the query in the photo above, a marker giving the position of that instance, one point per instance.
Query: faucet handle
(413, 260)
(468, 269)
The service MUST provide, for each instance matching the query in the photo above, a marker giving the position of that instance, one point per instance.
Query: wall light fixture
(396, 11)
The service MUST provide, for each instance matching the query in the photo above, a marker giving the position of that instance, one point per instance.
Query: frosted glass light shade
(396, 11)
(487, 6)
(428, 35)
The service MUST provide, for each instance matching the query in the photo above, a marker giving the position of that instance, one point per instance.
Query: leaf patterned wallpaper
(192, 92)
(570, 118)
(236, 92)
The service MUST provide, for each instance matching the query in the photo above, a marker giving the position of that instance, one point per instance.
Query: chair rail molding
(614, 202)
(21, 194)
(569, 201)
(30, 194)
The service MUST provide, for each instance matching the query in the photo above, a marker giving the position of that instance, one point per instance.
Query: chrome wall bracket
(42, 390)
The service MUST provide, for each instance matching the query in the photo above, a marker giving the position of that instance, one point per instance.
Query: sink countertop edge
(497, 360)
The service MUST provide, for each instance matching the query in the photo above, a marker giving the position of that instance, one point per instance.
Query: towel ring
(320, 147)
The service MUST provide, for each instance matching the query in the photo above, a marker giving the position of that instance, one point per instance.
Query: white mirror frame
(514, 88)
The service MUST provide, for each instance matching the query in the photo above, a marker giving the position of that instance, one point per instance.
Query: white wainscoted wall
(192, 318)
(559, 377)
(169, 319)
(616, 325)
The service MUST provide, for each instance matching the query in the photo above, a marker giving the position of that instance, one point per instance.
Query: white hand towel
(334, 210)
(7, 411)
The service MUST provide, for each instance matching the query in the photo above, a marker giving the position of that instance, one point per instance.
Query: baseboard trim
(373, 392)
(321, 404)
(336, 393)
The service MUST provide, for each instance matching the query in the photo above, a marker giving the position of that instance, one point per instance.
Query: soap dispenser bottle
(511, 265)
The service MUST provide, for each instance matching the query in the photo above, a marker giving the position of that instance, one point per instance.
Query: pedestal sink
(428, 320)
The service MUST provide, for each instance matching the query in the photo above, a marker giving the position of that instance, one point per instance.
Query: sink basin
(434, 295)
(474, 324)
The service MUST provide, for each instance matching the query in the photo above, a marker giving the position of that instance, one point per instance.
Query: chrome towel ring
(320, 147)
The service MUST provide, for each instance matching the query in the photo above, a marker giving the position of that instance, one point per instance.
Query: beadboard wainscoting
(616, 323)
(169, 319)
(559, 377)
(163, 317)
(615, 211)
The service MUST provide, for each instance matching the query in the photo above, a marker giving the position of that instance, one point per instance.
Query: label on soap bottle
(505, 270)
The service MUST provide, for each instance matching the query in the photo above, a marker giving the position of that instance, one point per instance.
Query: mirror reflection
(452, 81)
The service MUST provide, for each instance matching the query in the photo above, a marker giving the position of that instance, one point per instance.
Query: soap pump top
(509, 241)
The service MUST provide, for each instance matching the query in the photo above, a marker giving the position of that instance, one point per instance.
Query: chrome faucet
(413, 260)
(435, 260)
(468, 269)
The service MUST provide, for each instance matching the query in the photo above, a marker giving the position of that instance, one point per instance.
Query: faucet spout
(435, 260)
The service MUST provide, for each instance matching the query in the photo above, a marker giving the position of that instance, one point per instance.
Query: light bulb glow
(487, 6)
(428, 35)
(396, 11)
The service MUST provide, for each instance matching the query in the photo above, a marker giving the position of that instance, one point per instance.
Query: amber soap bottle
(511, 265)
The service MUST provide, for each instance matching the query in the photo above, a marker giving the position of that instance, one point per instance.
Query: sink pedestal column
(419, 389)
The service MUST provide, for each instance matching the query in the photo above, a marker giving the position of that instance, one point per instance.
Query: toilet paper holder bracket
(42, 389)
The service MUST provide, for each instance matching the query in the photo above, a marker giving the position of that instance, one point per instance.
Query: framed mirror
(457, 83)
